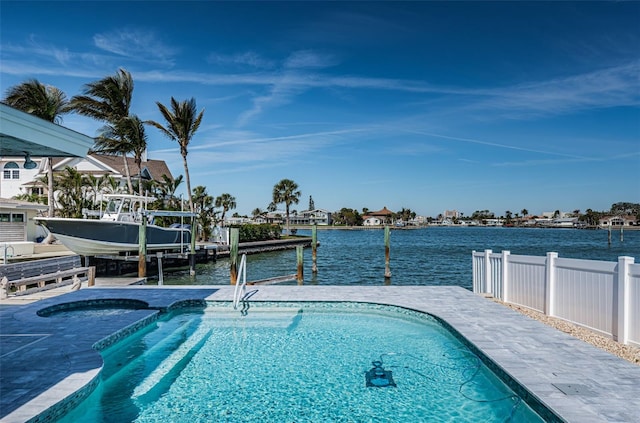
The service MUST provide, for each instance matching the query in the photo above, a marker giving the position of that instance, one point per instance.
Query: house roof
(384, 212)
(156, 168)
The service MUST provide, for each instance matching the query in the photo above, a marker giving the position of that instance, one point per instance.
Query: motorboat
(118, 228)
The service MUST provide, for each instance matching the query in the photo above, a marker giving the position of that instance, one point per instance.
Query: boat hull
(91, 237)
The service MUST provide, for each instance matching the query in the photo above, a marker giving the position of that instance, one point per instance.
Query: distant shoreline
(360, 228)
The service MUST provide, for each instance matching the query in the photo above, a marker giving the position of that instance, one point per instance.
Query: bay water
(429, 256)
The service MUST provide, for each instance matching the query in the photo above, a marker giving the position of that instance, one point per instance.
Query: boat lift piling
(192, 250)
(300, 262)
(142, 252)
(314, 249)
(234, 235)
(387, 248)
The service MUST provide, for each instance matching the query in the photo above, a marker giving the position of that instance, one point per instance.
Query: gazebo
(384, 215)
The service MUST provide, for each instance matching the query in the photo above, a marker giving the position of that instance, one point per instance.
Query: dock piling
(387, 248)
(192, 250)
(314, 249)
(233, 255)
(300, 261)
(142, 252)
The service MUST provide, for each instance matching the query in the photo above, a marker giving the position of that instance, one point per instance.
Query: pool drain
(378, 377)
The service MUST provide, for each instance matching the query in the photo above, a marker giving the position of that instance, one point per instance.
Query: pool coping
(578, 381)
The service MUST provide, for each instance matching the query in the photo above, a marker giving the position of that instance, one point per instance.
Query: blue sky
(423, 105)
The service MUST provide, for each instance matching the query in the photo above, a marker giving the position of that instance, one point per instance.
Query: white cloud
(249, 58)
(307, 59)
(135, 44)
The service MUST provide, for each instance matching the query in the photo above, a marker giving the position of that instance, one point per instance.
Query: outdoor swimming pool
(298, 362)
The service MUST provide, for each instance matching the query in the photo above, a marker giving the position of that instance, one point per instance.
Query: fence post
(550, 284)
(474, 273)
(621, 318)
(505, 276)
(487, 272)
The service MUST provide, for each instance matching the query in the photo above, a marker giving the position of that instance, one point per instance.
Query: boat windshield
(113, 206)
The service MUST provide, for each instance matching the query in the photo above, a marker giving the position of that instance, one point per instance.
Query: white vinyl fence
(600, 295)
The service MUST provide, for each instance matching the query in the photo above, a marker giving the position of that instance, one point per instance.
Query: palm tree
(182, 124)
(203, 203)
(46, 102)
(109, 100)
(73, 194)
(227, 202)
(256, 212)
(128, 136)
(286, 191)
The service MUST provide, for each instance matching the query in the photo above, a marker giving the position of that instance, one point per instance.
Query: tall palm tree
(286, 191)
(109, 100)
(183, 120)
(46, 102)
(227, 202)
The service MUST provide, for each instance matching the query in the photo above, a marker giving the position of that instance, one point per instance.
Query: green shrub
(262, 232)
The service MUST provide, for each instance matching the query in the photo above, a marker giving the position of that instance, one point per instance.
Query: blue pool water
(307, 362)
(431, 256)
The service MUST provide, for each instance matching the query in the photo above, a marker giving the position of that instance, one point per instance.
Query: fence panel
(527, 281)
(585, 293)
(478, 272)
(634, 304)
(603, 296)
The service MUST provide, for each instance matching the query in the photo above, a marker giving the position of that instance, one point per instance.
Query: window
(11, 171)
(11, 217)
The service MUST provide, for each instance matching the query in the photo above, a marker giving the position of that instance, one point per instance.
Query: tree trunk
(288, 228)
(186, 172)
(127, 173)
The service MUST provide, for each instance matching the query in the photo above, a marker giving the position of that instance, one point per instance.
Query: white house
(311, 217)
(17, 180)
(372, 221)
(617, 221)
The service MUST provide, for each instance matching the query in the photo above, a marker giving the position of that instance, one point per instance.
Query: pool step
(174, 363)
(154, 351)
(258, 317)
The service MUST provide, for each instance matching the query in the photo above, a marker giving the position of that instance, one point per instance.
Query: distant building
(372, 221)
(383, 216)
(311, 217)
(451, 214)
(617, 221)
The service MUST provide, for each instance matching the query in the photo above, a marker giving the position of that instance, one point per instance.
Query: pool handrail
(240, 287)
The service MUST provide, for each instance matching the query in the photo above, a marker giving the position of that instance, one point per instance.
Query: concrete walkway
(46, 359)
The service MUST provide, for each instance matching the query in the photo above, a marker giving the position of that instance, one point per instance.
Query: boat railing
(241, 287)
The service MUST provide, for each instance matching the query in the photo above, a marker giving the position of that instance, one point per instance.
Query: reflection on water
(432, 256)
